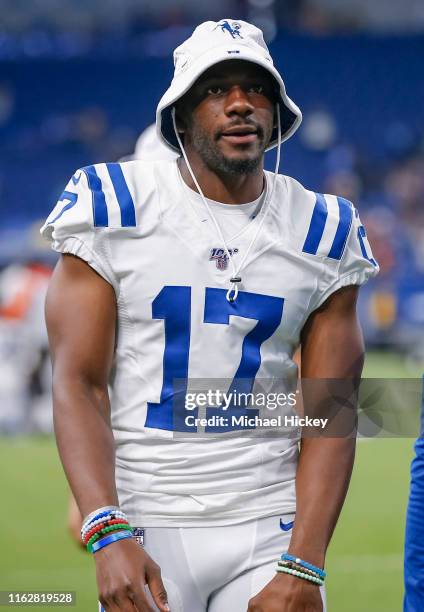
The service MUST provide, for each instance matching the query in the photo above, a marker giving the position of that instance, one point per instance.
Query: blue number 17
(173, 305)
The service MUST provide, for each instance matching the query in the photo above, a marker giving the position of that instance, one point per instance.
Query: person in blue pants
(414, 536)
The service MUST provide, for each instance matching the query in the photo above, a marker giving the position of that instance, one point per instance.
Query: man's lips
(240, 134)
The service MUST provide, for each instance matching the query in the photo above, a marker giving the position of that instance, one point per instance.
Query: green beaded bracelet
(97, 536)
(104, 531)
(286, 570)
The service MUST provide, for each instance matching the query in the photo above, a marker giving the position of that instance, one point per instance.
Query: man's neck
(226, 188)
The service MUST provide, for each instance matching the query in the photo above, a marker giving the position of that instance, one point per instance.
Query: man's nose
(237, 102)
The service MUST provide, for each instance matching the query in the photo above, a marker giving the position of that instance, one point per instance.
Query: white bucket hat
(213, 42)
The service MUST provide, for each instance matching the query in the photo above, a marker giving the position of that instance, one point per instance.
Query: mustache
(259, 130)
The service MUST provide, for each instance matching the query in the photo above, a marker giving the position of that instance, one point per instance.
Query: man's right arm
(81, 316)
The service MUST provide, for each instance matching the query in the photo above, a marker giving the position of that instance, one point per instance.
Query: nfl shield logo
(138, 534)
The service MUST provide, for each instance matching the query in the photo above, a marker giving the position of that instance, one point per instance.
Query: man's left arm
(332, 348)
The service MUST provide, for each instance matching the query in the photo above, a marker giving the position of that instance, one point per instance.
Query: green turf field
(364, 562)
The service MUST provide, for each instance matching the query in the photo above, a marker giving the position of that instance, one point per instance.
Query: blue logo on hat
(231, 29)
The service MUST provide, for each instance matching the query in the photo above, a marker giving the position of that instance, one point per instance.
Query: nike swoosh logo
(76, 180)
(286, 526)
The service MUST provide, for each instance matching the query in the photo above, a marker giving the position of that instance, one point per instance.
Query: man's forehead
(235, 69)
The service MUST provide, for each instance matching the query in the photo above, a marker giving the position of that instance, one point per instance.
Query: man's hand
(122, 570)
(287, 593)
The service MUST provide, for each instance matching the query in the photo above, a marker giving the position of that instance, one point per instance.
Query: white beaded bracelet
(107, 511)
(287, 570)
(90, 526)
(103, 509)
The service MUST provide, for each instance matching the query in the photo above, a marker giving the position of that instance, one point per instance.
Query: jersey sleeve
(355, 266)
(71, 227)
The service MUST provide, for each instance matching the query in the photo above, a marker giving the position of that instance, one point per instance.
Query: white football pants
(217, 569)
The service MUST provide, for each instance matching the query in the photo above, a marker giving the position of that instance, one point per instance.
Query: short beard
(217, 162)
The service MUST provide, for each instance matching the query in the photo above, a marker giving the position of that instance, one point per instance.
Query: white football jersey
(133, 223)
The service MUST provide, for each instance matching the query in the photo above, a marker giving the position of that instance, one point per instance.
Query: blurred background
(79, 82)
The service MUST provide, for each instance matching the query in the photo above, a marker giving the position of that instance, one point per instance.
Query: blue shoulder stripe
(99, 201)
(343, 228)
(317, 225)
(123, 195)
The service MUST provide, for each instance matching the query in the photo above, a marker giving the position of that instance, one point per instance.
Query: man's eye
(214, 90)
(259, 89)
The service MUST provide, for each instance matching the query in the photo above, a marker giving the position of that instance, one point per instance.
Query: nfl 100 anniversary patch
(220, 257)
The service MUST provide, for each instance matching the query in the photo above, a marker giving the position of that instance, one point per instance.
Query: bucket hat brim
(290, 114)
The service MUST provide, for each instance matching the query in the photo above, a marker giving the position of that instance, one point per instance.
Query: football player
(203, 268)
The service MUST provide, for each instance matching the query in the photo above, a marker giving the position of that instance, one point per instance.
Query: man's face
(228, 116)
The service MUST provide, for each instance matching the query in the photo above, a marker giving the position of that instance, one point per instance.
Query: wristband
(321, 573)
(104, 531)
(114, 537)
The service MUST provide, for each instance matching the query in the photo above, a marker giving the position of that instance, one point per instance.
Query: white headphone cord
(232, 292)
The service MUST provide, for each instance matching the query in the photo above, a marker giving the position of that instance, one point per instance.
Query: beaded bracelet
(304, 564)
(107, 516)
(98, 514)
(87, 535)
(100, 529)
(114, 537)
(101, 526)
(105, 530)
(101, 516)
(299, 568)
(287, 570)
(92, 515)
(94, 523)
